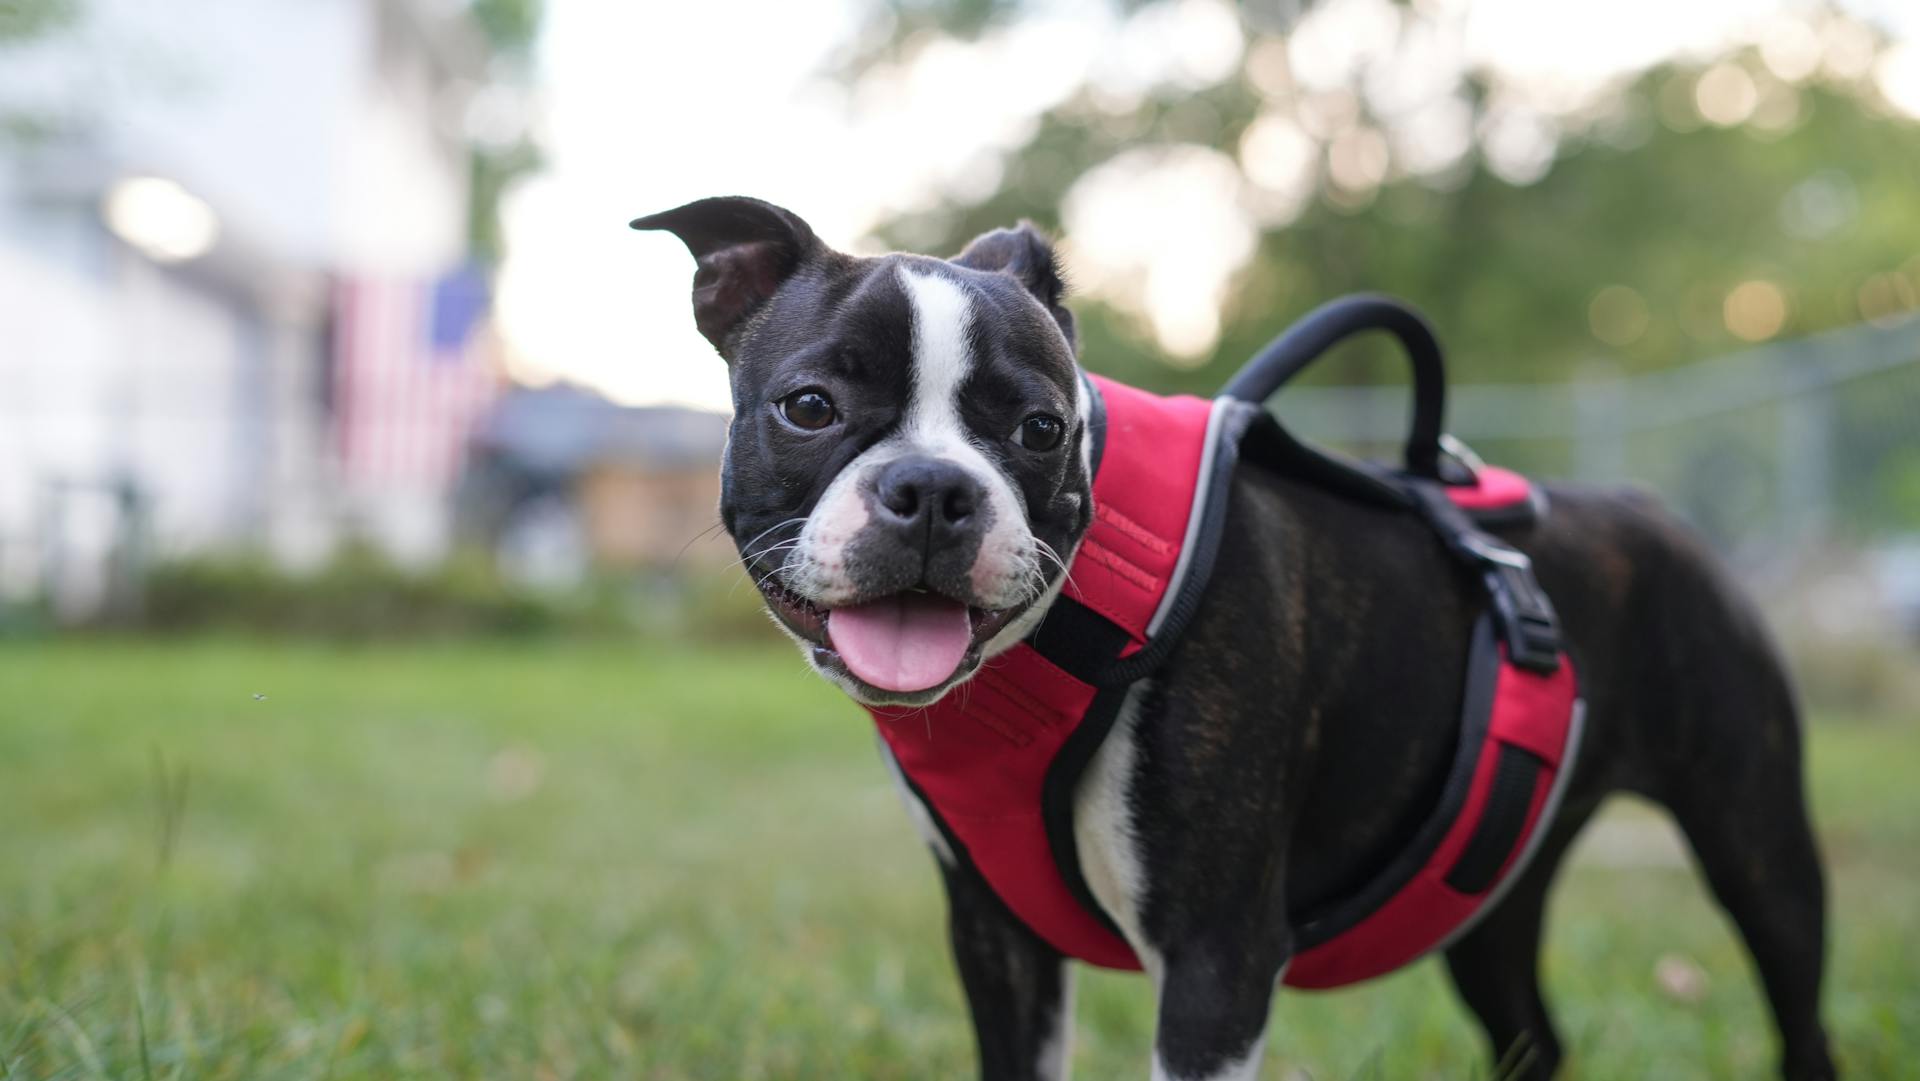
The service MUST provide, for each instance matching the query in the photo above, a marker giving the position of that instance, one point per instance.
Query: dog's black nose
(927, 497)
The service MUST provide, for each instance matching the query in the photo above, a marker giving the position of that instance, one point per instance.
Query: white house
(170, 254)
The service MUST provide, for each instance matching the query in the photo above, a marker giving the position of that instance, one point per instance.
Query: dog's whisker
(748, 546)
(767, 577)
(1047, 550)
(717, 525)
(785, 546)
(747, 564)
(750, 555)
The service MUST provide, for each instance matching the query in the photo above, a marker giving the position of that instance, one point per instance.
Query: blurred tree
(510, 25)
(1900, 489)
(1683, 213)
(493, 170)
(20, 19)
(499, 157)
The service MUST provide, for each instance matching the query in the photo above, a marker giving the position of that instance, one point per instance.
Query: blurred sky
(644, 107)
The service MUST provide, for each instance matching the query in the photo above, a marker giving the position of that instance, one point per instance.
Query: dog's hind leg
(1496, 966)
(1751, 836)
(1729, 767)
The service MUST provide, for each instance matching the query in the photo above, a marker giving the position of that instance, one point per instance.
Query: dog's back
(1688, 704)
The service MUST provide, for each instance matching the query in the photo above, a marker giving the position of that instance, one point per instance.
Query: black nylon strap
(1516, 773)
(1078, 640)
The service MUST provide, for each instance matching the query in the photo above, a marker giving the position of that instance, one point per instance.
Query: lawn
(237, 860)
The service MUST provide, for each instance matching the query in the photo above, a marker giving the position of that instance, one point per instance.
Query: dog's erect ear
(1023, 251)
(745, 249)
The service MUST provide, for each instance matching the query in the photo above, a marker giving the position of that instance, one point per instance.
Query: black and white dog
(908, 469)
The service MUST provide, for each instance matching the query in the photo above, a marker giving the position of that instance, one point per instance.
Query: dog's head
(907, 469)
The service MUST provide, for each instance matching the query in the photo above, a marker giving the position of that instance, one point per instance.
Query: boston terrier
(909, 479)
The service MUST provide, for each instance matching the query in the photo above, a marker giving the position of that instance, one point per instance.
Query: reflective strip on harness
(997, 761)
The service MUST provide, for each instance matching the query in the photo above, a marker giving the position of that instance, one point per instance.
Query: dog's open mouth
(903, 643)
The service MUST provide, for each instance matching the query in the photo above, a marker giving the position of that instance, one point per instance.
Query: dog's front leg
(1215, 992)
(1018, 988)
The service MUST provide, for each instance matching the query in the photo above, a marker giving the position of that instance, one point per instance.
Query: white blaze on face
(1006, 567)
(942, 360)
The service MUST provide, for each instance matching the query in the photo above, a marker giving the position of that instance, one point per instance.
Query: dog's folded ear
(745, 249)
(1023, 251)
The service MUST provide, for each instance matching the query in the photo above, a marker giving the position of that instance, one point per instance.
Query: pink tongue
(908, 642)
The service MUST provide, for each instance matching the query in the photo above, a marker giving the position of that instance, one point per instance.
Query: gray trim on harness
(1202, 492)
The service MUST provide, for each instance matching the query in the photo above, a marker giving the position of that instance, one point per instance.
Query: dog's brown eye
(1040, 432)
(809, 409)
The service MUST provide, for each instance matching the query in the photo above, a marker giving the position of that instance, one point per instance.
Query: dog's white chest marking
(1103, 831)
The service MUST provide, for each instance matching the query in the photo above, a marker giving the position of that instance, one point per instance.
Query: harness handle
(1326, 326)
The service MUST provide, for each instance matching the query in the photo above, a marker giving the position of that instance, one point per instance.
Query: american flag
(411, 376)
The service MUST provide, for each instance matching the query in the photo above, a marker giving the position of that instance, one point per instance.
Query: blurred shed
(563, 479)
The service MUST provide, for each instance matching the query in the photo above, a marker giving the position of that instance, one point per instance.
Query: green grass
(558, 861)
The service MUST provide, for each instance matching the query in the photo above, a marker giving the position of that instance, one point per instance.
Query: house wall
(326, 136)
(326, 132)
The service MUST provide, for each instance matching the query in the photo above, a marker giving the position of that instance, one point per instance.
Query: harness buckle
(1522, 613)
(1521, 609)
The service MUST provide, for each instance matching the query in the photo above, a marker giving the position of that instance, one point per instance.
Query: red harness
(997, 761)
